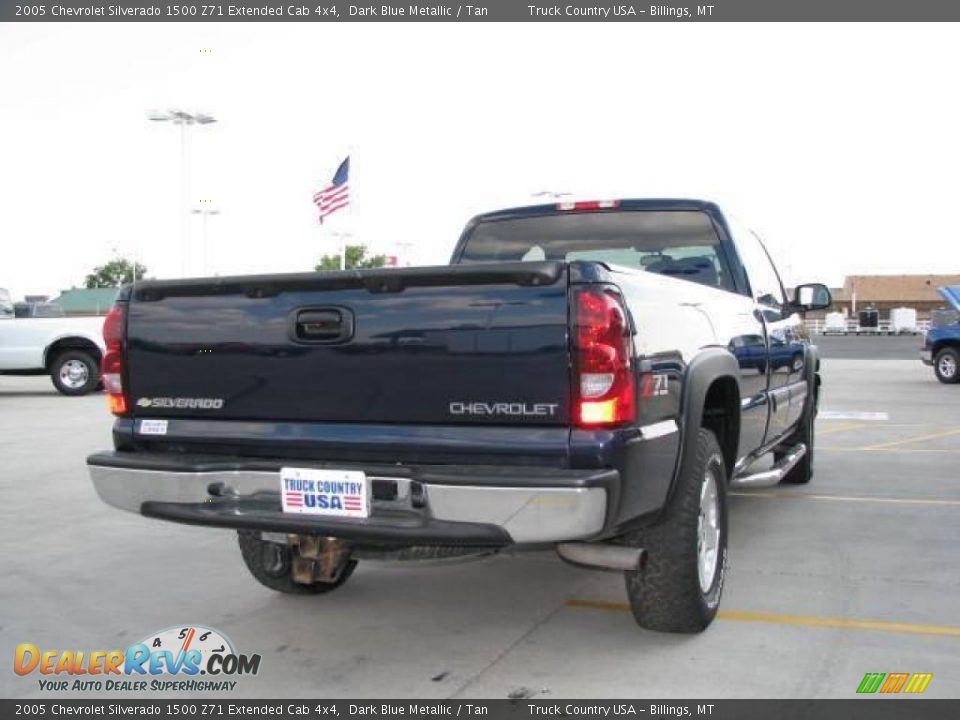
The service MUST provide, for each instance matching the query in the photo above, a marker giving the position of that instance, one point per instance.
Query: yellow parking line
(841, 428)
(890, 450)
(905, 441)
(847, 498)
(798, 620)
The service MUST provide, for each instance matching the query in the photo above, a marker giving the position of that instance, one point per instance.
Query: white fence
(819, 327)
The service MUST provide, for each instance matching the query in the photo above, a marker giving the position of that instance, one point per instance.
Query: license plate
(335, 493)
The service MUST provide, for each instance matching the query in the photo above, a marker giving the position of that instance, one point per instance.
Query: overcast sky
(837, 143)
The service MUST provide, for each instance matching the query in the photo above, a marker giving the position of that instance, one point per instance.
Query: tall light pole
(183, 120)
(204, 213)
(343, 238)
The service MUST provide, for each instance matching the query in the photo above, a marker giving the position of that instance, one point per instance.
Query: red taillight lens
(604, 386)
(111, 367)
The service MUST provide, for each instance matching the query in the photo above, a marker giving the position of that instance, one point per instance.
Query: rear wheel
(272, 565)
(678, 586)
(75, 372)
(946, 365)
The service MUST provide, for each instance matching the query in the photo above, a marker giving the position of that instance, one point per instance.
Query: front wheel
(75, 372)
(946, 364)
(678, 586)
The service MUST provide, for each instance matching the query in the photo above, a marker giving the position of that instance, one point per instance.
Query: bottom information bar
(866, 708)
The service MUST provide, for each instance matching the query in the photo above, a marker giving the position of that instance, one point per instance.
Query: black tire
(665, 593)
(75, 372)
(946, 365)
(270, 564)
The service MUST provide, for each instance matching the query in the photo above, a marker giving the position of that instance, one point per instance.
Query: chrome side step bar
(601, 555)
(774, 475)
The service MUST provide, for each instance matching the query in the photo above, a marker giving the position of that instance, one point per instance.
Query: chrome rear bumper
(456, 505)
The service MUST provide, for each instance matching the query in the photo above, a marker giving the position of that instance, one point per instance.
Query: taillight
(111, 367)
(604, 386)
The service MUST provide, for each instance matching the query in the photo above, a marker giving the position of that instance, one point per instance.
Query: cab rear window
(679, 243)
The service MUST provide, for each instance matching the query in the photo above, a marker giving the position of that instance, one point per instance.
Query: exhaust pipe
(601, 555)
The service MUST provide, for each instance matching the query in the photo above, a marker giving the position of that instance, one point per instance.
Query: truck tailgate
(449, 345)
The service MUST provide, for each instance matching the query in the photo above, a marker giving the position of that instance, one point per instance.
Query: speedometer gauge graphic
(181, 639)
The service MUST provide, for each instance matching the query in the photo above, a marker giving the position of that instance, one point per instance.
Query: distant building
(86, 301)
(885, 292)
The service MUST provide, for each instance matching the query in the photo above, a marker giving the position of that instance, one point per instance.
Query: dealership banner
(483, 11)
(516, 709)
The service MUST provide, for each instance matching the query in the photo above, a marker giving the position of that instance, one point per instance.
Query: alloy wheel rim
(708, 531)
(948, 366)
(74, 374)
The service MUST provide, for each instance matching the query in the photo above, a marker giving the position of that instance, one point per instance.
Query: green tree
(356, 259)
(114, 273)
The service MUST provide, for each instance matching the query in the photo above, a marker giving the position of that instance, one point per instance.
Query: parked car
(67, 348)
(590, 376)
(941, 348)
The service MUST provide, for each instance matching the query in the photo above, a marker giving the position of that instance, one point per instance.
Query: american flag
(294, 499)
(352, 502)
(337, 194)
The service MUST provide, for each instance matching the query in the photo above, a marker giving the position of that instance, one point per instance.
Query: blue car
(942, 346)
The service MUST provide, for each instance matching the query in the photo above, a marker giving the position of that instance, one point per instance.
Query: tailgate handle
(323, 325)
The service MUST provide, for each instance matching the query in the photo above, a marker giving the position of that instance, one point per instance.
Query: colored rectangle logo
(894, 683)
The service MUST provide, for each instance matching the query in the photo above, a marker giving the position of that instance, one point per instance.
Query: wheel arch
(945, 342)
(70, 342)
(711, 399)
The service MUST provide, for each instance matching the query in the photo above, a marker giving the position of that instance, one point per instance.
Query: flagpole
(343, 254)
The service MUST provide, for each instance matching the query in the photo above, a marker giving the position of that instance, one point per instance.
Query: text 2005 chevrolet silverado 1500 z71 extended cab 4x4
(586, 376)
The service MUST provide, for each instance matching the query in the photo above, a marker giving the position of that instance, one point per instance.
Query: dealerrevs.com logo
(167, 661)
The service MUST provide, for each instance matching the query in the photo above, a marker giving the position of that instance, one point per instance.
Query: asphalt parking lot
(854, 573)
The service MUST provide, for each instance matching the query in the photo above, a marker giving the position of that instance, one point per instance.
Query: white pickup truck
(68, 348)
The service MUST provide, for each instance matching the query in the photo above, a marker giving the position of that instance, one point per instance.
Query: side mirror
(811, 296)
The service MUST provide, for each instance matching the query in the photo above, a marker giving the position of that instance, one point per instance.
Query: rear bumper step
(492, 506)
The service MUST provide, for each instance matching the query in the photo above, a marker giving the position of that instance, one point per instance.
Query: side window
(6, 305)
(761, 274)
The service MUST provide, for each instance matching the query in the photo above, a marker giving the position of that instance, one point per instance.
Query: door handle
(322, 325)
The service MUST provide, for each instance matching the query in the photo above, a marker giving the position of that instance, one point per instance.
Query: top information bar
(485, 11)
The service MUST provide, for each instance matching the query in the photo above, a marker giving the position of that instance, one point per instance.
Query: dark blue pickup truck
(589, 376)
(941, 348)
